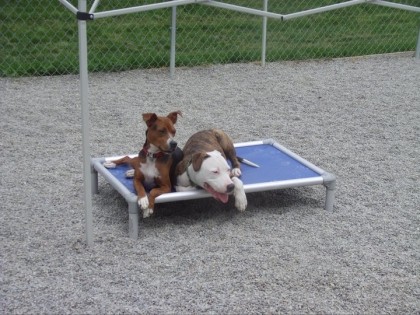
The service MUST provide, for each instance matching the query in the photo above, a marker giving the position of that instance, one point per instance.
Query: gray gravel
(356, 117)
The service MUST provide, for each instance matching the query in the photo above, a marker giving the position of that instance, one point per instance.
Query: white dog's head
(211, 171)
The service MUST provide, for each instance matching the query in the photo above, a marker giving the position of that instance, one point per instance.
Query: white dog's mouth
(223, 197)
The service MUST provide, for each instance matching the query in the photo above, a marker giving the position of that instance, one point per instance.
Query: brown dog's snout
(173, 144)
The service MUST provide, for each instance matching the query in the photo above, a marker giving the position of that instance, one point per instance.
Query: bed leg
(94, 181)
(133, 220)
(329, 183)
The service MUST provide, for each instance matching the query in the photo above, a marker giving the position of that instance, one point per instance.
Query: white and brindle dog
(205, 166)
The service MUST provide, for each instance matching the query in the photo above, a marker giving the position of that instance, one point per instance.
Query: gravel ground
(358, 118)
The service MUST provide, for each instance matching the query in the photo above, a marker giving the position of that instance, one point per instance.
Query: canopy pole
(84, 98)
(94, 6)
(264, 33)
(418, 46)
(173, 42)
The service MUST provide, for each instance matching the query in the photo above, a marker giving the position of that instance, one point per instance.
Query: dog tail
(247, 162)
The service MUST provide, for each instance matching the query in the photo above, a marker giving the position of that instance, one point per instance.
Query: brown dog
(157, 159)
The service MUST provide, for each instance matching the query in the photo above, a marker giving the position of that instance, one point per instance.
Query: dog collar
(157, 155)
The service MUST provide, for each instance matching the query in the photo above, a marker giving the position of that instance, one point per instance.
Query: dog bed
(278, 168)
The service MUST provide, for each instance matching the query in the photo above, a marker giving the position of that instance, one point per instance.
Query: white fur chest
(150, 172)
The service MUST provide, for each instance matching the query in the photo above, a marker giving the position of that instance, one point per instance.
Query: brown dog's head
(161, 130)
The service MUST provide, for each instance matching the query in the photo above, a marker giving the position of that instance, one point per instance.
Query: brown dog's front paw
(147, 212)
(143, 203)
(109, 164)
(129, 173)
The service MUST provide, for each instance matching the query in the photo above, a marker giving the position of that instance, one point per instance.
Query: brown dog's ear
(197, 160)
(174, 116)
(149, 118)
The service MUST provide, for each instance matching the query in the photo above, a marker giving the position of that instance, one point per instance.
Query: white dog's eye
(215, 171)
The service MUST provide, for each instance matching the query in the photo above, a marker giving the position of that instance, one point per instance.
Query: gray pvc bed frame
(279, 168)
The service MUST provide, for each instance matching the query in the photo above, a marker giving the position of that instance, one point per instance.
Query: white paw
(147, 212)
(241, 202)
(129, 173)
(109, 164)
(143, 203)
(236, 172)
(240, 197)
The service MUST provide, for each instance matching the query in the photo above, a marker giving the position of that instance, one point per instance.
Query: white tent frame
(83, 16)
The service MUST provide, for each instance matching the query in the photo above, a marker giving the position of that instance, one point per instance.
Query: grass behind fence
(39, 37)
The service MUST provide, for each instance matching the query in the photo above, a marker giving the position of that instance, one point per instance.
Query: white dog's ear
(197, 160)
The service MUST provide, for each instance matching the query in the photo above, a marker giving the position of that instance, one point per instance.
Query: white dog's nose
(230, 188)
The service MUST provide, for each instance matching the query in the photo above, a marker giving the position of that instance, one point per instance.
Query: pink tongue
(219, 196)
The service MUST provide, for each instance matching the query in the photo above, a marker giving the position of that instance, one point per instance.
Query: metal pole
(144, 8)
(69, 6)
(264, 34)
(418, 46)
(322, 9)
(396, 5)
(84, 97)
(241, 9)
(94, 6)
(173, 42)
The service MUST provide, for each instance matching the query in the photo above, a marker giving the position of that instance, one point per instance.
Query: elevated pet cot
(278, 168)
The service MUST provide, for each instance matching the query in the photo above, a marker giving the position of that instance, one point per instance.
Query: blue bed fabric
(275, 165)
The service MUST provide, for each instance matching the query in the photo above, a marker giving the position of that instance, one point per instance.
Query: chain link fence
(40, 37)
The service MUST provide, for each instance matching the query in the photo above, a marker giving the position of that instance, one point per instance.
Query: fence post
(264, 34)
(173, 42)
